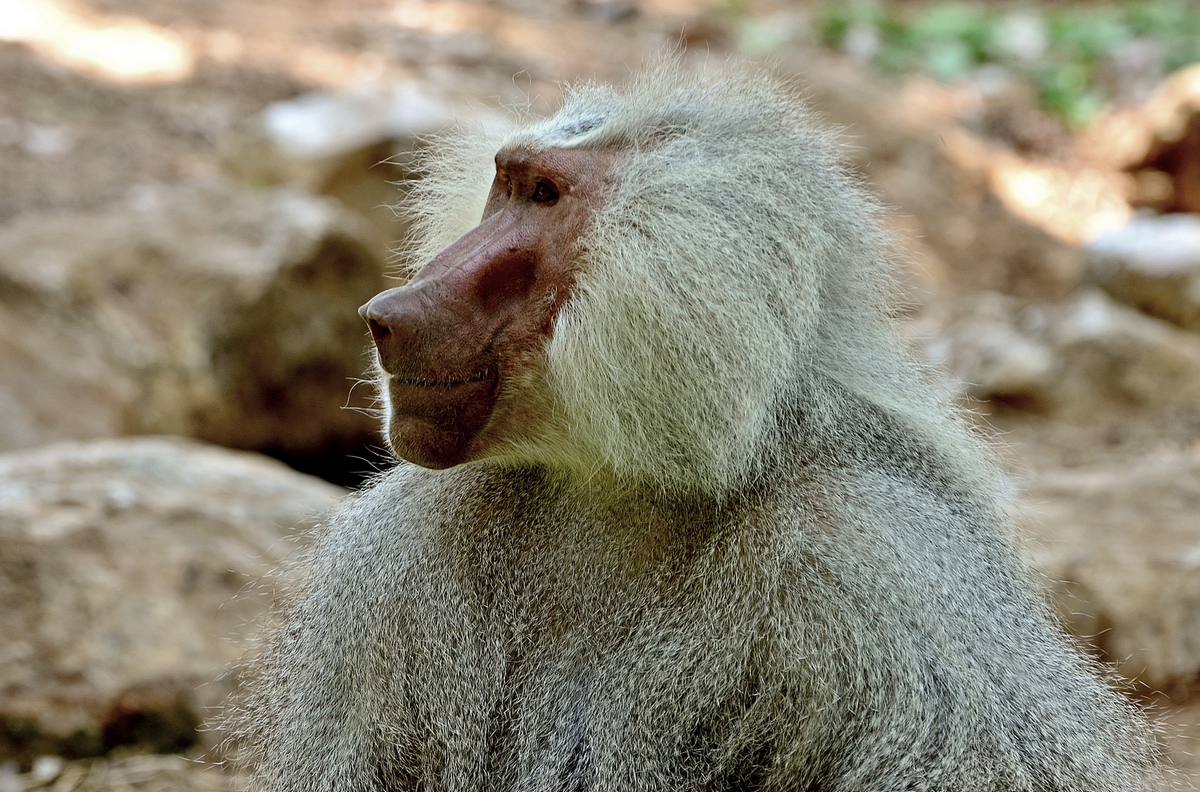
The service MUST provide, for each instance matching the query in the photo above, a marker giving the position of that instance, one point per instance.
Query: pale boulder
(1152, 264)
(217, 312)
(1083, 357)
(127, 572)
(1120, 547)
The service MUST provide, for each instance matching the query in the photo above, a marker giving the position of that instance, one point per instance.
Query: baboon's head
(654, 275)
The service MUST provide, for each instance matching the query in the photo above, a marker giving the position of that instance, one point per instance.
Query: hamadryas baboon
(684, 513)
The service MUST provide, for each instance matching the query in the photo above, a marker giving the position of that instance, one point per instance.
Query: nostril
(379, 331)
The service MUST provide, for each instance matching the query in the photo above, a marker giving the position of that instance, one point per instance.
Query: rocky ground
(193, 202)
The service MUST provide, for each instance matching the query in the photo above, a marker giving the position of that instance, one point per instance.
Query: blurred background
(194, 199)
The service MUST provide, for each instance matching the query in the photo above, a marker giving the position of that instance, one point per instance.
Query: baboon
(684, 514)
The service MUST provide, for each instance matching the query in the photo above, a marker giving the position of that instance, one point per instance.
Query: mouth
(441, 382)
(434, 420)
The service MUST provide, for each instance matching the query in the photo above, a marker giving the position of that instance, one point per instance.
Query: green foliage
(1062, 51)
(1066, 90)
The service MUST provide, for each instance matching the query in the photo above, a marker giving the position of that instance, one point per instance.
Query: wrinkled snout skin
(457, 344)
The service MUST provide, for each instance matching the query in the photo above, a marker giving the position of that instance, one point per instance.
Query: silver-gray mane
(721, 289)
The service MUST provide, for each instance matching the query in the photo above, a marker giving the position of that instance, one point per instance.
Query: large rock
(124, 571)
(1152, 264)
(355, 144)
(1120, 545)
(216, 312)
(128, 774)
(1079, 358)
(982, 343)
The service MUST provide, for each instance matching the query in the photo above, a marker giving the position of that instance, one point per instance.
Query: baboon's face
(462, 343)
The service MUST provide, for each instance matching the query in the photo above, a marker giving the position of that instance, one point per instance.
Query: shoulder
(850, 536)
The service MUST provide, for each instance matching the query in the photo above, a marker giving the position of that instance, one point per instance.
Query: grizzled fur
(750, 551)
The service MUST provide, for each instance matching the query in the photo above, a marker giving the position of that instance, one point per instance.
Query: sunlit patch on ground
(1075, 206)
(120, 49)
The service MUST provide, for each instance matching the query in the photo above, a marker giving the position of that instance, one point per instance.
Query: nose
(371, 315)
(398, 324)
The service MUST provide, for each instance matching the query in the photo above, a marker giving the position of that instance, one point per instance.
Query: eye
(544, 192)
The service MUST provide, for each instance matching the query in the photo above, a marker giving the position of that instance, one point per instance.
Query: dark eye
(544, 193)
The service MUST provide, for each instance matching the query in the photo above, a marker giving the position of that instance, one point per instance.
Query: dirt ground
(73, 136)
